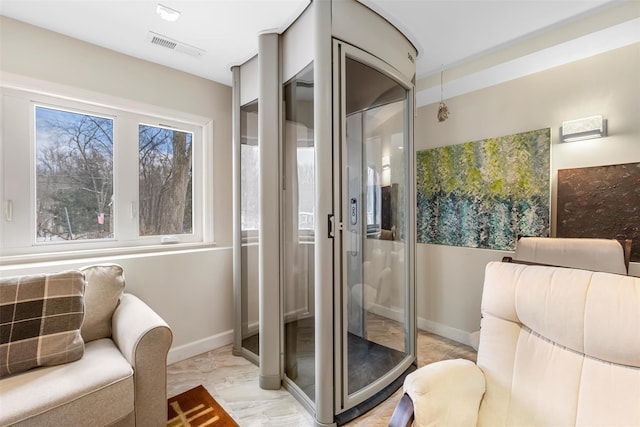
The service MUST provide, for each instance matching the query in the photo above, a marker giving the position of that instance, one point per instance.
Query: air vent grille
(166, 42)
(163, 42)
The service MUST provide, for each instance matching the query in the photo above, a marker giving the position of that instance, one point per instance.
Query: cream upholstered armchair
(558, 347)
(607, 255)
(101, 352)
(375, 273)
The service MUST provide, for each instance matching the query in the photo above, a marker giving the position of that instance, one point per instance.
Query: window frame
(196, 172)
(18, 235)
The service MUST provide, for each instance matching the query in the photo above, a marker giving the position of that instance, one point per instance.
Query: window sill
(98, 255)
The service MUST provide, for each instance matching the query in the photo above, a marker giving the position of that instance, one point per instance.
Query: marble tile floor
(233, 382)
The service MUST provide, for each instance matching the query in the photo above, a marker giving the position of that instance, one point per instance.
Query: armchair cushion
(40, 319)
(65, 395)
(105, 286)
(446, 393)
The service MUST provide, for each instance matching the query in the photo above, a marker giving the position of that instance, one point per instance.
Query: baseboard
(392, 313)
(397, 314)
(458, 335)
(185, 351)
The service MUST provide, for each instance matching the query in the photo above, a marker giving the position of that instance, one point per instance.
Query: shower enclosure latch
(332, 226)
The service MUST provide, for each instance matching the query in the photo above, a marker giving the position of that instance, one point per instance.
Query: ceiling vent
(160, 40)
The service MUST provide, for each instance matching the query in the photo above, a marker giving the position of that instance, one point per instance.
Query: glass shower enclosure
(324, 277)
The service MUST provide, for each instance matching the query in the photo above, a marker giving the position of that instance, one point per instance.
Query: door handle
(331, 226)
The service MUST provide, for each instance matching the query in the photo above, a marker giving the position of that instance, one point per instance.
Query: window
(374, 210)
(74, 175)
(249, 170)
(250, 179)
(79, 176)
(165, 181)
(306, 187)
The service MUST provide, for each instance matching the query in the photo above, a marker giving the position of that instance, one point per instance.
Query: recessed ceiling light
(167, 13)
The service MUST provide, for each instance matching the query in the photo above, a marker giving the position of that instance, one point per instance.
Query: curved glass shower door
(378, 334)
(298, 234)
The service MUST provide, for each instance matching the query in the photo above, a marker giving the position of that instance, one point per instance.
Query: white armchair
(375, 277)
(119, 377)
(558, 347)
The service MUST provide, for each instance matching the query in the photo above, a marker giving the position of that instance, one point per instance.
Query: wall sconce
(385, 163)
(385, 176)
(587, 128)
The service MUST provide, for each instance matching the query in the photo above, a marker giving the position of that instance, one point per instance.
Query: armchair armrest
(446, 393)
(144, 338)
(403, 414)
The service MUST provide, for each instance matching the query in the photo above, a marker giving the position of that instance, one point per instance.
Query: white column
(269, 252)
(322, 118)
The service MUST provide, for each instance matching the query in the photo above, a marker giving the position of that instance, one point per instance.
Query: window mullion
(126, 177)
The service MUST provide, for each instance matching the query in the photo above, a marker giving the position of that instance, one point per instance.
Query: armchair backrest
(606, 255)
(559, 346)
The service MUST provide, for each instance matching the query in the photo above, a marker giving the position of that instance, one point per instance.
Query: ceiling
(447, 33)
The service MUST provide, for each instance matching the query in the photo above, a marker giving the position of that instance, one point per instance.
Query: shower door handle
(331, 223)
(333, 226)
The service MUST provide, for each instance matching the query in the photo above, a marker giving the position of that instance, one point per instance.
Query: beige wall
(192, 290)
(449, 279)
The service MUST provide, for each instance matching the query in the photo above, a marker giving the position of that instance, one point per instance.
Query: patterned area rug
(196, 408)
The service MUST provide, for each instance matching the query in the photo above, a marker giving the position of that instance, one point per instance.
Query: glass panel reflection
(250, 224)
(299, 222)
(375, 232)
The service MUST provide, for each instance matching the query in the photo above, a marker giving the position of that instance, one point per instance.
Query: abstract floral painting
(482, 194)
(600, 201)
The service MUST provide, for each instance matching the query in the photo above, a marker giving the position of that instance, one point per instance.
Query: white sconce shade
(385, 162)
(586, 128)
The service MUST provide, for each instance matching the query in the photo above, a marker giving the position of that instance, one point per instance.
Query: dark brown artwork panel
(602, 201)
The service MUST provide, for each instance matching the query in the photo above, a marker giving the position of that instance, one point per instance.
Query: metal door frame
(343, 400)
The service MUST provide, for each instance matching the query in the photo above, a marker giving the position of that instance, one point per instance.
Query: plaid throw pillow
(40, 319)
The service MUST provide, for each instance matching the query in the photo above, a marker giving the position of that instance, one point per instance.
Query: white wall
(449, 279)
(191, 290)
